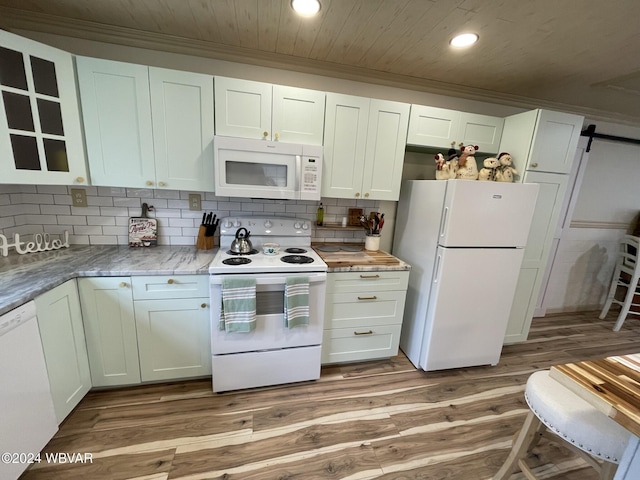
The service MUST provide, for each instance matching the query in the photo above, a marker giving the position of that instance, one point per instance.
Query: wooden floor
(382, 419)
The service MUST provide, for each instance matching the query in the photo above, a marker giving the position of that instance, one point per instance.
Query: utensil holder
(203, 242)
(372, 242)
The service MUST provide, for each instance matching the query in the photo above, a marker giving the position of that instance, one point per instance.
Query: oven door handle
(217, 279)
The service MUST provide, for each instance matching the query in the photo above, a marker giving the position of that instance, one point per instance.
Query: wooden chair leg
(528, 434)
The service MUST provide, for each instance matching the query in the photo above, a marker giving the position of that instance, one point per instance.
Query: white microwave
(264, 169)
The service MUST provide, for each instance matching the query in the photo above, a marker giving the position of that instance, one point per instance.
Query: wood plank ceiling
(577, 55)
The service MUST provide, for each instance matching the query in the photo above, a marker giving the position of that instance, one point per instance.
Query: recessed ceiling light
(464, 40)
(306, 8)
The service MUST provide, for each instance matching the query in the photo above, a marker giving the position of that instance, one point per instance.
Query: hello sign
(41, 242)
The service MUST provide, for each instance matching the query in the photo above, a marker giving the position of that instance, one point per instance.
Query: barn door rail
(590, 132)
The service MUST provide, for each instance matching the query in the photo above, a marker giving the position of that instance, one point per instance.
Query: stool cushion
(574, 419)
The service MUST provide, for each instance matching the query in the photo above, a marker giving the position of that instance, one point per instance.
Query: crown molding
(15, 19)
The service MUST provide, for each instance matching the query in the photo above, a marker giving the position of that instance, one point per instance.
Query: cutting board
(365, 257)
(143, 231)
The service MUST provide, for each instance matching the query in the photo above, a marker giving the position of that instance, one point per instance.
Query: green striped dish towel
(238, 313)
(296, 302)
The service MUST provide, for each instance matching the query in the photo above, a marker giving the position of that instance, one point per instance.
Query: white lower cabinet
(146, 328)
(173, 333)
(107, 311)
(63, 342)
(363, 315)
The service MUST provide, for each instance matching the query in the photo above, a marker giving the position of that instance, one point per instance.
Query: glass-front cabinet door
(40, 135)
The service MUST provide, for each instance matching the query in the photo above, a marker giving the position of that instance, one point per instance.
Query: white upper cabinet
(345, 143)
(182, 118)
(364, 147)
(147, 127)
(443, 128)
(40, 132)
(271, 112)
(117, 122)
(542, 140)
(481, 130)
(384, 154)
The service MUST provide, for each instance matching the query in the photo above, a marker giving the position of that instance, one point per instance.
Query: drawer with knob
(170, 286)
(368, 281)
(355, 344)
(347, 310)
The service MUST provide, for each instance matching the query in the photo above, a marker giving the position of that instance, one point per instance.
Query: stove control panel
(267, 226)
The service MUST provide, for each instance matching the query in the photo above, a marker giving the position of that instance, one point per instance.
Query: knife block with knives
(206, 239)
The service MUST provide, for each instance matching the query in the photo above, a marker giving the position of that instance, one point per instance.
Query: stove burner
(296, 259)
(295, 250)
(252, 252)
(236, 261)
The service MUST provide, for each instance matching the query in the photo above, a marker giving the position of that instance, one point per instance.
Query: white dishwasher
(27, 417)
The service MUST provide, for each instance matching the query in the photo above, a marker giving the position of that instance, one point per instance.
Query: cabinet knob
(357, 194)
(276, 136)
(80, 179)
(366, 195)
(123, 284)
(534, 165)
(203, 305)
(368, 298)
(171, 281)
(265, 134)
(162, 184)
(149, 183)
(370, 332)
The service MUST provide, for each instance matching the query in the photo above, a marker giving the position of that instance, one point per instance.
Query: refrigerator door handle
(443, 223)
(436, 270)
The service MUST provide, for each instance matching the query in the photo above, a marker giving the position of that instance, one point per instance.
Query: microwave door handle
(298, 186)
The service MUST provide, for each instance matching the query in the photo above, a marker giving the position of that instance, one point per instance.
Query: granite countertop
(23, 277)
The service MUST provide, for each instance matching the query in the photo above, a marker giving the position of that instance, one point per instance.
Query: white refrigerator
(465, 242)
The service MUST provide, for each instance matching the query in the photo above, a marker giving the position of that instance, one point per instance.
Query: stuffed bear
(488, 171)
(467, 166)
(442, 167)
(505, 172)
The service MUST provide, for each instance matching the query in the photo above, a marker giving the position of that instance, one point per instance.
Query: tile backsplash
(30, 209)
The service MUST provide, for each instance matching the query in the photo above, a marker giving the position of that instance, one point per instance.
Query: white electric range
(272, 353)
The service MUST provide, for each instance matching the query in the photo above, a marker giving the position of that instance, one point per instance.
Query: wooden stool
(626, 274)
(558, 413)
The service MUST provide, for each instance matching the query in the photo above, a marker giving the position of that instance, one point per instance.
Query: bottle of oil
(320, 215)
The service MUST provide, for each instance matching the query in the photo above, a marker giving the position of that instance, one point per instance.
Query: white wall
(608, 205)
(610, 191)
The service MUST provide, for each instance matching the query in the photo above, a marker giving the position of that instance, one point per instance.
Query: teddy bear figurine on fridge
(442, 167)
(488, 171)
(467, 166)
(505, 172)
